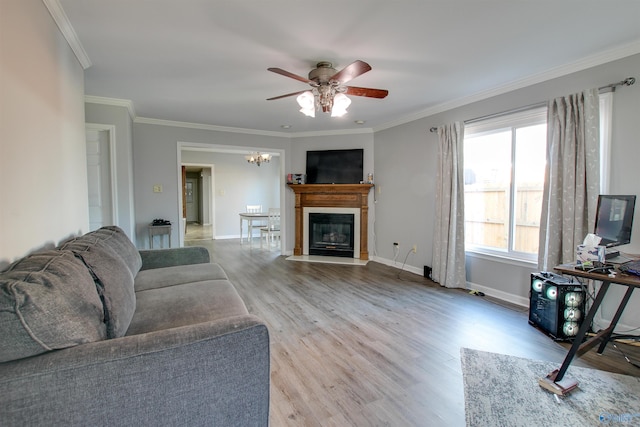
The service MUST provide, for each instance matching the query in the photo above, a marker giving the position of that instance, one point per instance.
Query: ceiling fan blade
(351, 71)
(284, 96)
(365, 91)
(288, 74)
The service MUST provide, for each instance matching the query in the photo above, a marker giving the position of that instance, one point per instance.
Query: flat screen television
(614, 219)
(335, 166)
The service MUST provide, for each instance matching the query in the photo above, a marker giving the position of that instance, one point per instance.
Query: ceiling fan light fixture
(307, 102)
(340, 104)
(329, 88)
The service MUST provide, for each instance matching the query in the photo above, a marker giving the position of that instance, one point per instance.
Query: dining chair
(255, 222)
(254, 209)
(272, 231)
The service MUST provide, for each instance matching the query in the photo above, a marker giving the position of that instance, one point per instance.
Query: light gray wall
(155, 153)
(43, 172)
(405, 161)
(120, 118)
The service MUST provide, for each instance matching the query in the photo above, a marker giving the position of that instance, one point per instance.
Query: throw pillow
(48, 301)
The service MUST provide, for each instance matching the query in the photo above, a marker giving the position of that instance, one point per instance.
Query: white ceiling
(205, 61)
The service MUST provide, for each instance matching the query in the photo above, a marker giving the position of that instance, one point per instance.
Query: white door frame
(111, 131)
(239, 150)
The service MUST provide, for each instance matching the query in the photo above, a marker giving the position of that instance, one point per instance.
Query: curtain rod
(626, 82)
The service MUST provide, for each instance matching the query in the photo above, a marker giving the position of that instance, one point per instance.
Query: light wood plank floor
(373, 346)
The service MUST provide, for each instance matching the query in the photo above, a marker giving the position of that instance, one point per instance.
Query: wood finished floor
(373, 346)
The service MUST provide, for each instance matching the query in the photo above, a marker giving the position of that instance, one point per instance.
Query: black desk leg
(614, 321)
(582, 332)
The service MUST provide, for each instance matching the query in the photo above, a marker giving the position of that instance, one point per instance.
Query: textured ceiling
(205, 62)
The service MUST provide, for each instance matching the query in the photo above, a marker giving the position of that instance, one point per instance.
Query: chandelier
(258, 158)
(328, 97)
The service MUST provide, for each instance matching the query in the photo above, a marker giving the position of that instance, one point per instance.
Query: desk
(579, 347)
(250, 217)
(159, 230)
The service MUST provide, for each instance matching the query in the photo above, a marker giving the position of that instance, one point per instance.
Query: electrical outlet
(414, 248)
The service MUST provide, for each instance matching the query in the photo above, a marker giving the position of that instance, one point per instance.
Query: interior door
(99, 179)
(184, 193)
(192, 195)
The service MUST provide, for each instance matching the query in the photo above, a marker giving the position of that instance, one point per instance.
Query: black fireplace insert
(331, 234)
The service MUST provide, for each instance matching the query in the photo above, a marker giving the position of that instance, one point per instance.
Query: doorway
(234, 185)
(198, 201)
(101, 176)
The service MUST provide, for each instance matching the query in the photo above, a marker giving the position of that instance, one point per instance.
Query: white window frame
(528, 117)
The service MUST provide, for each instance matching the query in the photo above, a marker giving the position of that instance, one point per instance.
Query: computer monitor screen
(614, 219)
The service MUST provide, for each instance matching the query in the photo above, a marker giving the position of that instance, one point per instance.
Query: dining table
(250, 217)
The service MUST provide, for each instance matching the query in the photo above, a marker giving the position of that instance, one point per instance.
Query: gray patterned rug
(502, 390)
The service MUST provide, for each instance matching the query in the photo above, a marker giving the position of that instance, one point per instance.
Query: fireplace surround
(332, 198)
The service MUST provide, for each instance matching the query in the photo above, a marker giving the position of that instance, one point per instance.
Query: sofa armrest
(157, 258)
(212, 373)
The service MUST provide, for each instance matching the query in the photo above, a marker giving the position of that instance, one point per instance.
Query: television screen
(614, 219)
(335, 166)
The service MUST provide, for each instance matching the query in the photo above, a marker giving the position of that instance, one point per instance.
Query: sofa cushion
(114, 282)
(187, 304)
(114, 238)
(48, 301)
(178, 275)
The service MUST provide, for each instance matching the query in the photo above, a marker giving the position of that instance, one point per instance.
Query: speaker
(556, 305)
(427, 272)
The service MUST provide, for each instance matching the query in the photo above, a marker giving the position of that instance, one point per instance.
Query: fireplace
(331, 234)
(349, 199)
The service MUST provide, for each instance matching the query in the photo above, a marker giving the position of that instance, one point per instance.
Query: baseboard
(398, 265)
(501, 295)
(504, 296)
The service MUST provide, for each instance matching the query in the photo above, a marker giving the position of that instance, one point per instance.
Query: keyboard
(630, 267)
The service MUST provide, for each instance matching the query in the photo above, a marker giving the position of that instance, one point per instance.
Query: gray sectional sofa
(96, 333)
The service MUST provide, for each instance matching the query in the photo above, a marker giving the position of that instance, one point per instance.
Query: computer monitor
(614, 219)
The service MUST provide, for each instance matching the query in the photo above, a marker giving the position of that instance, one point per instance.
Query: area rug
(501, 390)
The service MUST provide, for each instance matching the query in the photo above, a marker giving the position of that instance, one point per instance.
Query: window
(504, 160)
(503, 203)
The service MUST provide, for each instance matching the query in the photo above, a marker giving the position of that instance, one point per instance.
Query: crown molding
(173, 123)
(62, 21)
(333, 132)
(114, 102)
(611, 55)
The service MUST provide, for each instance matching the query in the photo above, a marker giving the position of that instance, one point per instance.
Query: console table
(159, 230)
(579, 347)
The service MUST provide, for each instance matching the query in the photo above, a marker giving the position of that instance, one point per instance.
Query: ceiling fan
(329, 90)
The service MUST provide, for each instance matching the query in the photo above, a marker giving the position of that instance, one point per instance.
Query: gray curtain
(448, 242)
(572, 177)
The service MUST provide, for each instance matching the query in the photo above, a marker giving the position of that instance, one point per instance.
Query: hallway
(196, 231)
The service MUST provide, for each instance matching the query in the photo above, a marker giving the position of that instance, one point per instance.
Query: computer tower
(556, 305)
